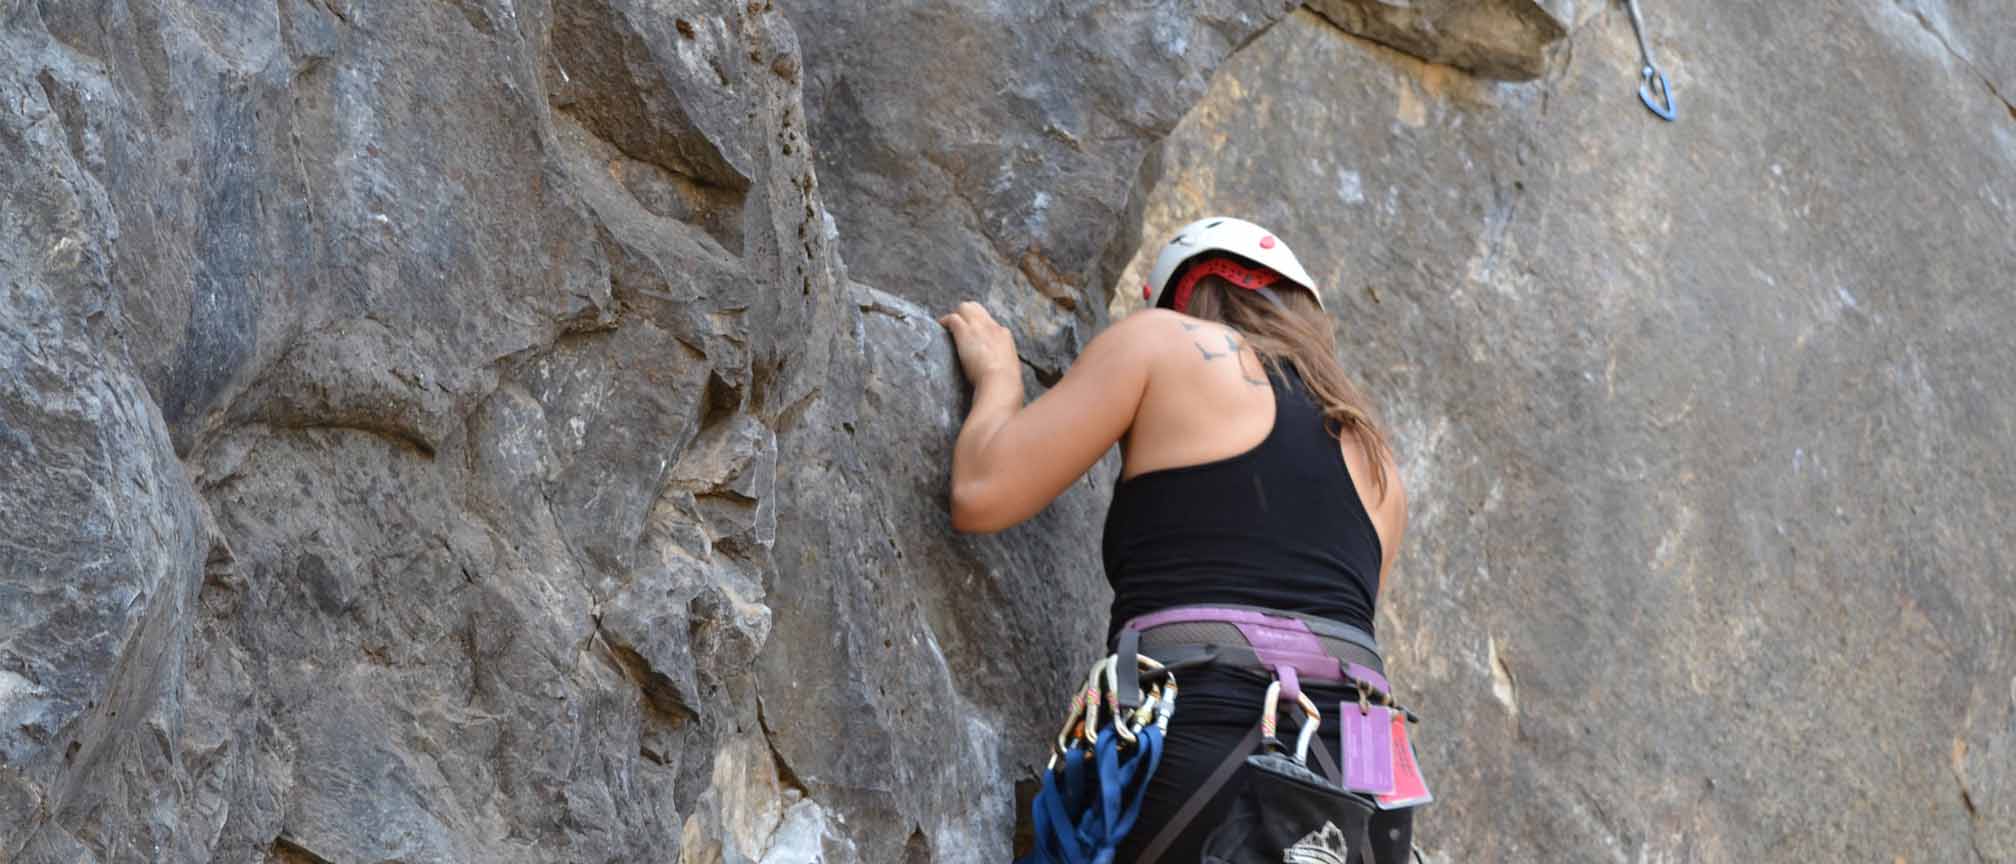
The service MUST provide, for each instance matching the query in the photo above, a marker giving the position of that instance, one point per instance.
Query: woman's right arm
(1012, 460)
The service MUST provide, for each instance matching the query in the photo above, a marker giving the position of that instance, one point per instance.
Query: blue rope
(1087, 806)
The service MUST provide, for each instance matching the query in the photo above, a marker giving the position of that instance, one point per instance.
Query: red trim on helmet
(1249, 278)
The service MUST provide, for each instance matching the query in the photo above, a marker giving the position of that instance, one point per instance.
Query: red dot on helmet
(1144, 290)
(1267, 242)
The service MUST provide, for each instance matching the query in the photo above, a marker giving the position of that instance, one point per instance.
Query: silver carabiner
(1649, 74)
(1312, 720)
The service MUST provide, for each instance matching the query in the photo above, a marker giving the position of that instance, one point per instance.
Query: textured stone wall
(447, 431)
(492, 430)
(1707, 424)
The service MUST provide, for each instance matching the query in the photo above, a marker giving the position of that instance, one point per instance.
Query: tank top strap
(1293, 402)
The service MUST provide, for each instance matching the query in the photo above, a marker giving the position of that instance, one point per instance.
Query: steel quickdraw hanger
(1650, 74)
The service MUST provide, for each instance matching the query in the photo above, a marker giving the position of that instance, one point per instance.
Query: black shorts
(1215, 707)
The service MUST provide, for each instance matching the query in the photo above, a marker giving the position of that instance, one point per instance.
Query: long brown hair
(1297, 332)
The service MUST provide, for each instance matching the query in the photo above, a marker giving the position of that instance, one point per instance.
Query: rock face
(988, 150)
(1503, 39)
(446, 432)
(1703, 423)
(516, 431)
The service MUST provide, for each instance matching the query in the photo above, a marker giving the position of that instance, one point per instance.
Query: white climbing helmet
(1224, 235)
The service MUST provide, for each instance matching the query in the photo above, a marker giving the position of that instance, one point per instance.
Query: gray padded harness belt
(1292, 647)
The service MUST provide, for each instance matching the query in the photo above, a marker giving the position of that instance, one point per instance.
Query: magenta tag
(1368, 748)
(1409, 790)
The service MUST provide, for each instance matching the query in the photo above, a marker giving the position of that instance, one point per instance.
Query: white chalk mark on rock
(1503, 685)
(1350, 187)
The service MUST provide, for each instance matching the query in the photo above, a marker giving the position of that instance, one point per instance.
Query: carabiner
(1146, 713)
(1267, 716)
(1089, 732)
(1112, 666)
(1665, 112)
(1313, 720)
(1168, 706)
(1071, 724)
(1649, 72)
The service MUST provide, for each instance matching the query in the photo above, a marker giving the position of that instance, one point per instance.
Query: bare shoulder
(1148, 324)
(1163, 331)
(1140, 336)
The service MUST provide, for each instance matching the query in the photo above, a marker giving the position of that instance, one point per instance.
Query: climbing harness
(1111, 743)
(1092, 788)
(1284, 804)
(1650, 73)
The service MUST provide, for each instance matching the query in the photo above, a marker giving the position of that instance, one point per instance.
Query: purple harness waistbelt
(1294, 649)
(1284, 644)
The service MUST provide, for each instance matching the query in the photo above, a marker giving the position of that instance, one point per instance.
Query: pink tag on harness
(1409, 790)
(1368, 748)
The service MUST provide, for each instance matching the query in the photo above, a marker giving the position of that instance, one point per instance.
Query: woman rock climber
(1254, 475)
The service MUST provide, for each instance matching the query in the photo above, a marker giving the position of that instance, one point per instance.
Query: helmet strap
(1273, 298)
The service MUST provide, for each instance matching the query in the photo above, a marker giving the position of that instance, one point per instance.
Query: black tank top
(1278, 526)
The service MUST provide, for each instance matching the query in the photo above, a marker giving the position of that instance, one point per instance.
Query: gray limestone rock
(1504, 39)
(986, 150)
(446, 432)
(104, 543)
(1699, 421)
(442, 432)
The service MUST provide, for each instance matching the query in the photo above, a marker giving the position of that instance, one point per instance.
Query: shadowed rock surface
(440, 432)
(445, 432)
